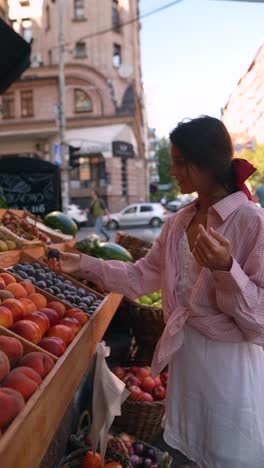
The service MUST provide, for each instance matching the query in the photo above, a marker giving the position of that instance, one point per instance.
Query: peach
(38, 361)
(58, 306)
(12, 348)
(11, 403)
(63, 332)
(78, 314)
(8, 278)
(4, 365)
(29, 306)
(16, 308)
(17, 290)
(28, 286)
(52, 315)
(23, 379)
(28, 330)
(38, 299)
(41, 320)
(53, 345)
(72, 323)
(6, 317)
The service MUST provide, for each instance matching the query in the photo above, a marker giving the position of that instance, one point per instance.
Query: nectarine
(58, 306)
(72, 323)
(28, 330)
(16, 308)
(52, 315)
(38, 299)
(6, 317)
(41, 320)
(78, 314)
(29, 306)
(12, 348)
(53, 345)
(8, 278)
(28, 286)
(63, 332)
(17, 290)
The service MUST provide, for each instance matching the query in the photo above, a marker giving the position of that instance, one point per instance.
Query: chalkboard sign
(30, 184)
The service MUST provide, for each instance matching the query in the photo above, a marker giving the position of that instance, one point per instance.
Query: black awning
(14, 56)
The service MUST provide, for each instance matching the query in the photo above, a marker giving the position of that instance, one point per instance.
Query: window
(27, 30)
(47, 18)
(80, 50)
(115, 15)
(27, 103)
(124, 177)
(24, 3)
(8, 103)
(117, 56)
(131, 210)
(78, 9)
(145, 208)
(82, 101)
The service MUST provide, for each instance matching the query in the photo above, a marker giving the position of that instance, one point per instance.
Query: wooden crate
(54, 235)
(25, 442)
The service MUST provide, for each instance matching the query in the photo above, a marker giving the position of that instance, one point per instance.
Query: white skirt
(215, 403)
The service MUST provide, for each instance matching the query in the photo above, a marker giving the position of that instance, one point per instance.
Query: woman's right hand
(68, 263)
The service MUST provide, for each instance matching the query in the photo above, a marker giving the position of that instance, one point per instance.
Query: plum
(48, 290)
(61, 296)
(54, 253)
(41, 284)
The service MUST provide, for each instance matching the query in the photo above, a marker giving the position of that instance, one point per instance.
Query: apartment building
(244, 112)
(104, 104)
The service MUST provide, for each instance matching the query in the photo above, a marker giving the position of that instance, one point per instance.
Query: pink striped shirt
(224, 306)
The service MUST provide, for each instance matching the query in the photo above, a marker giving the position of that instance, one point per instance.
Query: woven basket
(147, 325)
(136, 246)
(78, 442)
(141, 419)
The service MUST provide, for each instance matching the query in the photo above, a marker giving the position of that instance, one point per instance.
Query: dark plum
(48, 276)
(87, 300)
(49, 283)
(55, 290)
(60, 296)
(76, 299)
(48, 290)
(61, 278)
(22, 274)
(54, 253)
(41, 284)
(36, 266)
(81, 291)
(32, 279)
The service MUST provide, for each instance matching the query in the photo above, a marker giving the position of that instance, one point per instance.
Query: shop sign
(30, 184)
(123, 149)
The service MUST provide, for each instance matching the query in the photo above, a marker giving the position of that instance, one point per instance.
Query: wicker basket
(74, 460)
(136, 246)
(147, 325)
(141, 419)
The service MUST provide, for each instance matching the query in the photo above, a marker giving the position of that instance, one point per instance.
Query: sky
(193, 54)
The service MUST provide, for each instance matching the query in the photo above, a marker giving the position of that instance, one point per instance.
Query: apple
(148, 384)
(146, 397)
(6, 317)
(132, 380)
(134, 369)
(127, 377)
(135, 391)
(142, 373)
(120, 372)
(159, 393)
(164, 378)
(157, 381)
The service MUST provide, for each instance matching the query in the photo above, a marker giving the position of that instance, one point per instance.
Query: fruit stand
(26, 440)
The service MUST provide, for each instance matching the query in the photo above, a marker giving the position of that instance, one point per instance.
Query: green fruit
(3, 246)
(155, 296)
(104, 250)
(146, 300)
(10, 244)
(61, 221)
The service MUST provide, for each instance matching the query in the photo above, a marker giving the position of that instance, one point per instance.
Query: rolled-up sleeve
(131, 279)
(240, 292)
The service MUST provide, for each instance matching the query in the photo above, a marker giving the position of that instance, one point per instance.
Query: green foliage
(257, 159)
(164, 165)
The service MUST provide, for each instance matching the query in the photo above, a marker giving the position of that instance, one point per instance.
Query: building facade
(103, 96)
(244, 112)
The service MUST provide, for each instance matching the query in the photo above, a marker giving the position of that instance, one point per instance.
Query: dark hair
(206, 143)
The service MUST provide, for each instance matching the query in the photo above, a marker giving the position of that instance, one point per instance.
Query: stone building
(103, 96)
(244, 112)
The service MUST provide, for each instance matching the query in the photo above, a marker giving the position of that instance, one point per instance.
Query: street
(144, 232)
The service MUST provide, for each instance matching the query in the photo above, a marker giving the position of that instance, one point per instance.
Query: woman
(208, 262)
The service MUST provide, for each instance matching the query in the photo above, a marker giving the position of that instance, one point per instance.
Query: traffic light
(74, 156)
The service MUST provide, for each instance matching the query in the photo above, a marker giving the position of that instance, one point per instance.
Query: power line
(121, 25)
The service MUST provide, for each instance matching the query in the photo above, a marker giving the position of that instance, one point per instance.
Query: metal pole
(61, 111)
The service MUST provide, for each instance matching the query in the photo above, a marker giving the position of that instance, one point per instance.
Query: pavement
(143, 232)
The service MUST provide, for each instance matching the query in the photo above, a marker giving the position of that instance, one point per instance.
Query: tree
(257, 159)
(164, 164)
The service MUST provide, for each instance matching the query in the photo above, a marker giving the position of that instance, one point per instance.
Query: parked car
(153, 214)
(78, 215)
(179, 202)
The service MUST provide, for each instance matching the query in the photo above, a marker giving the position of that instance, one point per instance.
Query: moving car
(78, 215)
(153, 214)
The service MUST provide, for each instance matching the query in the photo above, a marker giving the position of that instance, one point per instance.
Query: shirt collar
(228, 205)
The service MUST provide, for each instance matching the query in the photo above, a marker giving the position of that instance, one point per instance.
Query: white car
(78, 215)
(153, 214)
(179, 202)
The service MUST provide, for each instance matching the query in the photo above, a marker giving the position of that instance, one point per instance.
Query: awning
(14, 56)
(99, 139)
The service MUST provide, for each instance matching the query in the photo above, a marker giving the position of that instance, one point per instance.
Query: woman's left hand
(212, 252)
